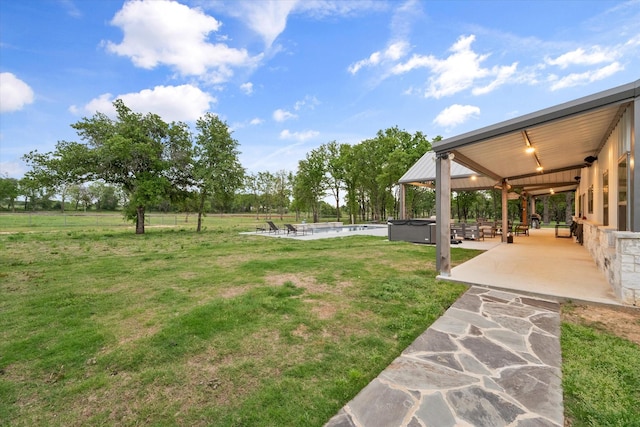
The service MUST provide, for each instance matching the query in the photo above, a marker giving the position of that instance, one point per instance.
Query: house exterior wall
(616, 253)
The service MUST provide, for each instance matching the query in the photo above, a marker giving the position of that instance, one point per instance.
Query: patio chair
(521, 229)
(273, 228)
(294, 230)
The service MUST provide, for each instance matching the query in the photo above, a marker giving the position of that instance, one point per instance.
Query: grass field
(177, 328)
(99, 326)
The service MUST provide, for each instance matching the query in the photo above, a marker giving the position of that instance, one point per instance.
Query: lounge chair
(273, 228)
(294, 230)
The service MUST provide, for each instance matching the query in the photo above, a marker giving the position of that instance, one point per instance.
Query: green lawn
(177, 328)
(600, 376)
(99, 326)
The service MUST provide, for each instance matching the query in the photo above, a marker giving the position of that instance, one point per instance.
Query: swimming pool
(344, 228)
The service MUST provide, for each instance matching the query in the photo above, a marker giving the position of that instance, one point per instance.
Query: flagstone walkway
(493, 359)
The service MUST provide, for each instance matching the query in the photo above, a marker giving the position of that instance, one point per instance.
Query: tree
(141, 153)
(352, 171)
(251, 186)
(311, 181)
(335, 171)
(282, 190)
(34, 193)
(216, 169)
(109, 198)
(266, 188)
(464, 200)
(9, 192)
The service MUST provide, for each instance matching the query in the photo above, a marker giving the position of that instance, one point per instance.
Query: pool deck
(379, 230)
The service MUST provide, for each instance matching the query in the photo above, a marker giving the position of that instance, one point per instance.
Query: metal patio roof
(562, 136)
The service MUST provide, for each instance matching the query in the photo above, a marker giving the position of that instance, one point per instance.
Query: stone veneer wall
(617, 255)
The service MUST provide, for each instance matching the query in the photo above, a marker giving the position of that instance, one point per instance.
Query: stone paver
(493, 359)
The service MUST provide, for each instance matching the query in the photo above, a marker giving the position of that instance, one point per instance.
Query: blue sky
(288, 76)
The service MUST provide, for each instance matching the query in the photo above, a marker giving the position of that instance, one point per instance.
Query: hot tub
(412, 230)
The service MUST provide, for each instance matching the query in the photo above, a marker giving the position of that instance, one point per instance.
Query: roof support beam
(505, 213)
(577, 168)
(443, 214)
(465, 161)
(634, 185)
(547, 186)
(403, 207)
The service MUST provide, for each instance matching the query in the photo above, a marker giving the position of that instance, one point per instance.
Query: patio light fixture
(531, 150)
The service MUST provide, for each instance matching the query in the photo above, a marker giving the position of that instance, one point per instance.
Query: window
(590, 200)
(623, 171)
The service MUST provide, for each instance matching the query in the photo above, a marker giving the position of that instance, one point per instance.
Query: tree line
(139, 162)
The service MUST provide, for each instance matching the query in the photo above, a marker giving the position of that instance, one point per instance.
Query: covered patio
(587, 147)
(532, 266)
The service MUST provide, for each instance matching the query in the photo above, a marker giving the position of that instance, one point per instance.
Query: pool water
(344, 228)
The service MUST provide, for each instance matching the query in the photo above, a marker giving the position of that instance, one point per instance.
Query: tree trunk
(140, 220)
(569, 208)
(200, 210)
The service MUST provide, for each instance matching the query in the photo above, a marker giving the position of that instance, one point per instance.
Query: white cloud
(247, 88)
(393, 52)
(255, 122)
(456, 115)
(459, 71)
(71, 8)
(299, 136)
(503, 75)
(579, 56)
(172, 103)
(14, 93)
(268, 18)
(309, 102)
(576, 79)
(324, 8)
(282, 115)
(169, 33)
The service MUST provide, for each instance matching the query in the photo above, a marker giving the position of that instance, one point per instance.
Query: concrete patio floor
(539, 264)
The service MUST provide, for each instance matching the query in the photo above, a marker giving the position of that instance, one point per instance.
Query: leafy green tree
(58, 171)
(378, 165)
(464, 201)
(216, 169)
(282, 191)
(251, 187)
(9, 192)
(420, 201)
(141, 153)
(266, 189)
(353, 169)
(109, 198)
(35, 194)
(335, 171)
(311, 184)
